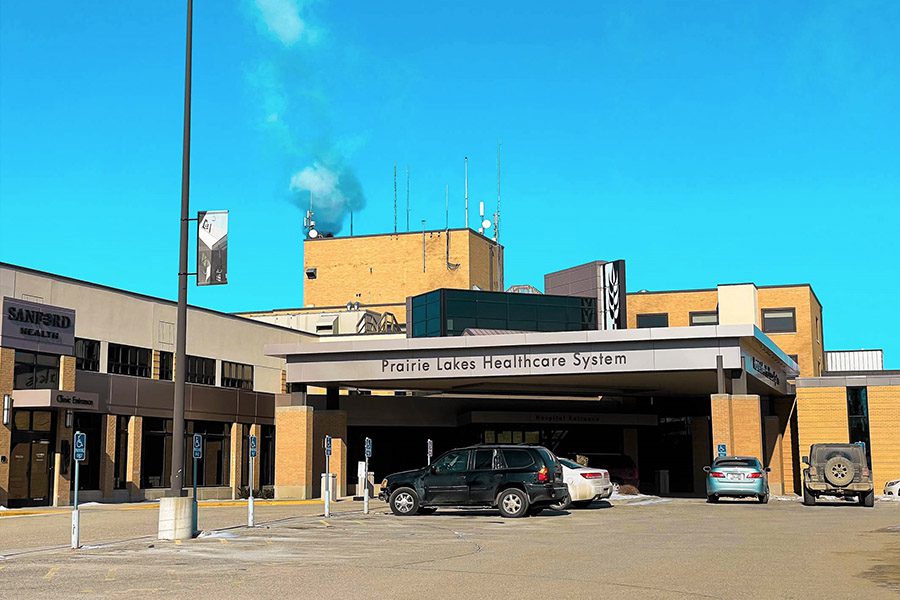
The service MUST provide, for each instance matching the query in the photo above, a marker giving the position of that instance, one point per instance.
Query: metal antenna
(351, 223)
(497, 214)
(467, 193)
(407, 199)
(395, 197)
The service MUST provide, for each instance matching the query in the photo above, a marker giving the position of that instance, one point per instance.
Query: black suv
(517, 479)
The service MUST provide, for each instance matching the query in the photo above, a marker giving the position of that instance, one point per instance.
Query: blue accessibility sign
(327, 445)
(80, 445)
(252, 446)
(368, 447)
(198, 445)
(721, 450)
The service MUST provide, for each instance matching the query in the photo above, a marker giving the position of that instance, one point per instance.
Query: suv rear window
(547, 457)
(517, 459)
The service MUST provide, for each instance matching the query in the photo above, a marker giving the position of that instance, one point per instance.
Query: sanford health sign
(37, 327)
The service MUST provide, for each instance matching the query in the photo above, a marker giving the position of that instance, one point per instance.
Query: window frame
(766, 329)
(239, 383)
(637, 319)
(702, 313)
(123, 366)
(200, 377)
(80, 361)
(170, 368)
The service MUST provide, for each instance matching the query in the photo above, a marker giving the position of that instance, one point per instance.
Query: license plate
(734, 476)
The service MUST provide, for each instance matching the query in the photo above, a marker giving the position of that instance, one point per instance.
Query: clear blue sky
(703, 142)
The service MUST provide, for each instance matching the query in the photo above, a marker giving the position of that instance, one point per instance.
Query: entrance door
(31, 466)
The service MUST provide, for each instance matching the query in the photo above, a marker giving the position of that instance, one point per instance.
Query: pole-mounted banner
(212, 247)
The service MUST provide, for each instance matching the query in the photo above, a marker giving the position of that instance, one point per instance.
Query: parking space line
(51, 573)
(111, 574)
(324, 522)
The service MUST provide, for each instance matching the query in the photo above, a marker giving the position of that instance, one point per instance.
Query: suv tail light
(754, 475)
(717, 474)
(865, 472)
(544, 474)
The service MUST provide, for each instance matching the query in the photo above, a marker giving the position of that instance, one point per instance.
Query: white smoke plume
(335, 192)
(282, 19)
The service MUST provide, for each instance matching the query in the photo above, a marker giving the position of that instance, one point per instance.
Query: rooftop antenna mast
(407, 199)
(467, 193)
(395, 197)
(497, 214)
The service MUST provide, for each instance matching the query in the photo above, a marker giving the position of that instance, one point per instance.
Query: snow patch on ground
(637, 499)
(217, 534)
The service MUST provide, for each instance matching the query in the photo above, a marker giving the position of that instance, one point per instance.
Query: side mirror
(805, 460)
(768, 469)
(706, 469)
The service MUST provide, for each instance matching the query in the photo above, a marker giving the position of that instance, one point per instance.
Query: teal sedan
(737, 477)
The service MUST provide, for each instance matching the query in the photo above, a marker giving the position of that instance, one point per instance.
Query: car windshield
(749, 463)
(570, 464)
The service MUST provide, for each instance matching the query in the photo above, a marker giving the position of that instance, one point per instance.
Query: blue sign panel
(327, 445)
(80, 445)
(252, 446)
(368, 447)
(721, 450)
(198, 445)
(430, 448)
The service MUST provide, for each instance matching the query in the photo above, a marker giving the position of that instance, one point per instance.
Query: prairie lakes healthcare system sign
(37, 327)
(212, 247)
(489, 364)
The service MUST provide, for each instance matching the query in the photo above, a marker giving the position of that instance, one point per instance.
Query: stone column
(61, 481)
(133, 469)
(737, 423)
(293, 451)
(333, 423)
(7, 366)
(257, 431)
(108, 459)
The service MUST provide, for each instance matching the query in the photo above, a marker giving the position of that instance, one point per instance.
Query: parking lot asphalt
(631, 548)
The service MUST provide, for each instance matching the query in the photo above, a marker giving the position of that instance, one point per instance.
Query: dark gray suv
(838, 470)
(519, 480)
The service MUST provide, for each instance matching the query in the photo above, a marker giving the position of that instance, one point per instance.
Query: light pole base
(176, 518)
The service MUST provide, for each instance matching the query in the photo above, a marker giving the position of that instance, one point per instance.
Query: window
(517, 459)
(452, 462)
(33, 371)
(236, 375)
(87, 355)
(266, 455)
(166, 365)
(156, 452)
(653, 320)
(704, 318)
(128, 360)
(201, 370)
(484, 459)
(120, 472)
(779, 320)
(858, 417)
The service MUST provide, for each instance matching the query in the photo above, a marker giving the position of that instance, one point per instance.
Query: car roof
(736, 458)
(482, 446)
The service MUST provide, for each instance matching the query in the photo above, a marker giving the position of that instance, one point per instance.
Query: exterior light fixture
(7, 409)
(69, 419)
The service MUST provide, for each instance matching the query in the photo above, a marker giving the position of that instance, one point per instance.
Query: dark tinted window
(547, 457)
(735, 462)
(779, 320)
(87, 355)
(517, 459)
(236, 375)
(34, 371)
(858, 417)
(201, 370)
(166, 365)
(484, 459)
(128, 360)
(452, 462)
(653, 320)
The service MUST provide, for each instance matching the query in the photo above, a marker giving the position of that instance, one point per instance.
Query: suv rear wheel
(404, 502)
(513, 503)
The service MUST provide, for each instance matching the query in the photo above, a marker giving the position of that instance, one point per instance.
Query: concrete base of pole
(176, 518)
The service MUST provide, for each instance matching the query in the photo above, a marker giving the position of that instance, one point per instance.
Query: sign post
(326, 493)
(198, 454)
(251, 519)
(366, 477)
(430, 450)
(80, 450)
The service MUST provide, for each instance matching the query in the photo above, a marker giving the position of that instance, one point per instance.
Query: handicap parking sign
(252, 446)
(721, 450)
(80, 445)
(198, 445)
(368, 447)
(327, 445)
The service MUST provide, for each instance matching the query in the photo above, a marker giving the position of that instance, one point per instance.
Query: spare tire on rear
(839, 470)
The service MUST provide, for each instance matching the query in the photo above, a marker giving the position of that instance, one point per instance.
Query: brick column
(333, 423)
(774, 457)
(294, 452)
(237, 456)
(737, 423)
(133, 469)
(61, 486)
(884, 414)
(108, 460)
(7, 365)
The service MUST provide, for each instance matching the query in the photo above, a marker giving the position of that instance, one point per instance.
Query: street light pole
(177, 473)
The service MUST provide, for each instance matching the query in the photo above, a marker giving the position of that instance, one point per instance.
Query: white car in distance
(891, 488)
(585, 484)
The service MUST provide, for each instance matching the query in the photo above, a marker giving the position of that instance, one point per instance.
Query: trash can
(329, 482)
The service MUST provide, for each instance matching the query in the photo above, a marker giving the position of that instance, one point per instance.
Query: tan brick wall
(884, 433)
(736, 422)
(806, 343)
(293, 451)
(7, 366)
(333, 423)
(385, 269)
(237, 459)
(786, 408)
(108, 460)
(678, 305)
(67, 373)
(821, 417)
